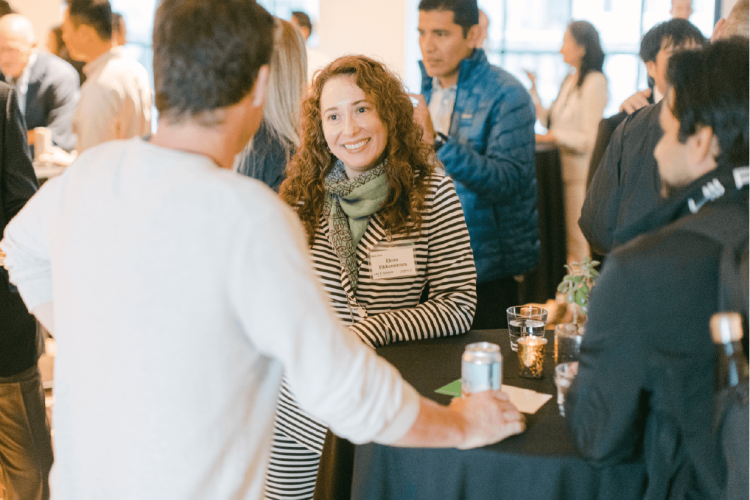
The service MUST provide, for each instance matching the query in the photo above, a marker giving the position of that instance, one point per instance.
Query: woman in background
(367, 192)
(573, 120)
(266, 155)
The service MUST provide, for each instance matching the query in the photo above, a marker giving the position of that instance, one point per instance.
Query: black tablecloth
(541, 283)
(538, 464)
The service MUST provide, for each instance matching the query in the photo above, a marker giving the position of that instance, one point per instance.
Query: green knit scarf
(348, 207)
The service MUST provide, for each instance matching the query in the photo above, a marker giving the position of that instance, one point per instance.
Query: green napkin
(452, 389)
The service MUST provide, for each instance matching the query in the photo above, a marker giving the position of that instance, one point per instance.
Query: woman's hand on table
(490, 417)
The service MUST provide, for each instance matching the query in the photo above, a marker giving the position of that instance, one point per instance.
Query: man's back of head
(207, 55)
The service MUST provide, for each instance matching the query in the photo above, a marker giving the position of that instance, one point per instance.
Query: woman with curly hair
(386, 232)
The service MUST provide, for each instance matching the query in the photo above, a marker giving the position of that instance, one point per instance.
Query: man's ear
(473, 35)
(651, 69)
(703, 148)
(261, 86)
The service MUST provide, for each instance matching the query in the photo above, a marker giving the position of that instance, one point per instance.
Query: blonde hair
(287, 82)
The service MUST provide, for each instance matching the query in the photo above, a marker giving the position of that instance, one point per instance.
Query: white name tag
(393, 262)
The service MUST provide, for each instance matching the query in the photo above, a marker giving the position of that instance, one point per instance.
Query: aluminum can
(481, 368)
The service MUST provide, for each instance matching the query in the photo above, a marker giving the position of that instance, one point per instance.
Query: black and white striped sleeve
(451, 275)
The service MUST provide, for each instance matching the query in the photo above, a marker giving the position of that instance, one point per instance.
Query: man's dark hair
(117, 21)
(94, 13)
(303, 20)
(675, 33)
(465, 12)
(207, 54)
(5, 8)
(587, 37)
(711, 90)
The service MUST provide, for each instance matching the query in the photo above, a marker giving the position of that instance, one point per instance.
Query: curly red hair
(409, 157)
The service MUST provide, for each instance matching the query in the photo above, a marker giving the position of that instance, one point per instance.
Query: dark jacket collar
(722, 183)
(466, 69)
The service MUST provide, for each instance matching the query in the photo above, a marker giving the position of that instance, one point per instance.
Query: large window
(283, 9)
(527, 36)
(139, 19)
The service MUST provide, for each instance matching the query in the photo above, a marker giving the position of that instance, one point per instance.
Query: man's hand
(490, 417)
(636, 101)
(422, 117)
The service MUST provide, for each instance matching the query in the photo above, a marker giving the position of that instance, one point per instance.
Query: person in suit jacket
(25, 444)
(48, 88)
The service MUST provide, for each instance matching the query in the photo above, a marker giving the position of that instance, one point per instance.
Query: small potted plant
(576, 287)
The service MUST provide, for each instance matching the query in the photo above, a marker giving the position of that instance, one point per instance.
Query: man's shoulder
(674, 244)
(494, 81)
(50, 69)
(123, 66)
(643, 120)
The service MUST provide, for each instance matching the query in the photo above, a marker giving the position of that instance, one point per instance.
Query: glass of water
(525, 320)
(564, 375)
(568, 342)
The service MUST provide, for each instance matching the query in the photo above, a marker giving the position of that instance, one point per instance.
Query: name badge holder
(392, 260)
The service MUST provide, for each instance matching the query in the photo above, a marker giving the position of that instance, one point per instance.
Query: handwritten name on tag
(393, 262)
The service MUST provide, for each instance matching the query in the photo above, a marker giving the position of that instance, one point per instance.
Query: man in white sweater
(178, 291)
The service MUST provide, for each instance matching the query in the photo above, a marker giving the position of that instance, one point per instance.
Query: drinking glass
(568, 342)
(564, 375)
(525, 320)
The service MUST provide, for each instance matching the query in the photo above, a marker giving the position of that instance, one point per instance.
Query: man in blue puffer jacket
(481, 120)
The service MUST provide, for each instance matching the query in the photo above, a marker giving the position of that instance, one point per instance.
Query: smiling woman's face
(351, 125)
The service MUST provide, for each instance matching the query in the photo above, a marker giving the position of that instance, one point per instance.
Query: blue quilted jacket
(490, 156)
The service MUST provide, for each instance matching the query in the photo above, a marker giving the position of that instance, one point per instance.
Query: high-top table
(541, 463)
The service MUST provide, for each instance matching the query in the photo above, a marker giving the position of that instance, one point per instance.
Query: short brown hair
(94, 13)
(207, 54)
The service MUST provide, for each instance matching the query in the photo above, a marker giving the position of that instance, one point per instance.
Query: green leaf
(580, 298)
(595, 263)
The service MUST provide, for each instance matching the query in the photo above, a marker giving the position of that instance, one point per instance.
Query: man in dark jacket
(626, 184)
(481, 121)
(645, 384)
(47, 87)
(25, 447)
